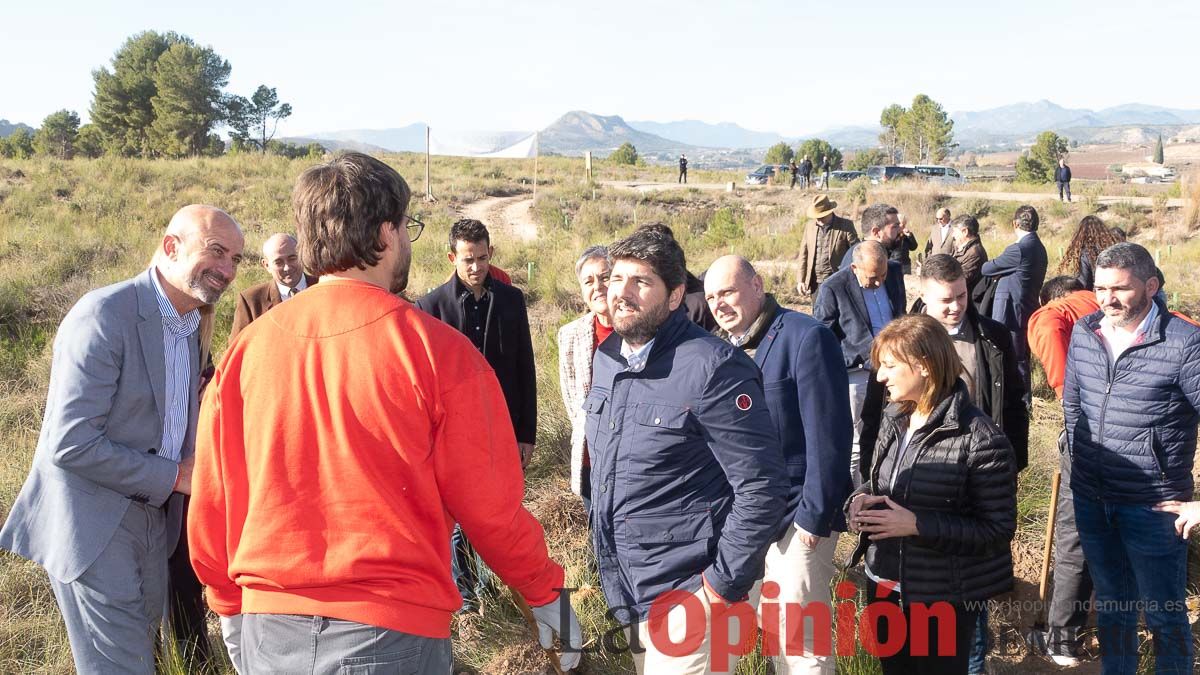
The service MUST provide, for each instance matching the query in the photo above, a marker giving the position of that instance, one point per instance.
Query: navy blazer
(1022, 270)
(841, 307)
(687, 476)
(808, 395)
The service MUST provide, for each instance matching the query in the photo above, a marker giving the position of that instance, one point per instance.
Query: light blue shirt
(177, 331)
(636, 358)
(879, 309)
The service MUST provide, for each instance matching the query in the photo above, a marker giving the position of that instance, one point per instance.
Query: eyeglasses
(415, 228)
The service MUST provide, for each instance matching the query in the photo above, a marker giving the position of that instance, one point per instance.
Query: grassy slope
(67, 227)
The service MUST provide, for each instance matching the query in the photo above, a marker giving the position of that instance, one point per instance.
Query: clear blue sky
(792, 67)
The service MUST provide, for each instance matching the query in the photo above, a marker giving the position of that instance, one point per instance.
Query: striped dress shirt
(177, 330)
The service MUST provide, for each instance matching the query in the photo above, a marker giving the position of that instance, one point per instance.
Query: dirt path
(508, 215)
(651, 186)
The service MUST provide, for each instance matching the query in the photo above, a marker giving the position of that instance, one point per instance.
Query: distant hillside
(334, 145)
(578, 131)
(6, 127)
(720, 135)
(409, 138)
(1020, 123)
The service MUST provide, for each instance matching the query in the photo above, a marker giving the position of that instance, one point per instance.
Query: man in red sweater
(341, 438)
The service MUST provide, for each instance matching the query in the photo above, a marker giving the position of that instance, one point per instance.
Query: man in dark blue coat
(1021, 270)
(803, 379)
(856, 303)
(688, 481)
(1131, 399)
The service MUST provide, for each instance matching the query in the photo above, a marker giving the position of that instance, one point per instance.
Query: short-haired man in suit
(102, 507)
(941, 239)
(281, 259)
(1020, 270)
(881, 223)
(856, 303)
(493, 316)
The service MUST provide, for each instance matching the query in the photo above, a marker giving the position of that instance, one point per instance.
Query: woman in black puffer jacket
(939, 512)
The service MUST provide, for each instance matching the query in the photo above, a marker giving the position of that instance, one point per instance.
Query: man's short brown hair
(339, 207)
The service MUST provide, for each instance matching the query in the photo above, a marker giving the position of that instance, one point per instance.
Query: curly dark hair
(655, 246)
(1091, 237)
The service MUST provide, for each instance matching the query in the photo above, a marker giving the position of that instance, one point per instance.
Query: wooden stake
(428, 187)
(536, 152)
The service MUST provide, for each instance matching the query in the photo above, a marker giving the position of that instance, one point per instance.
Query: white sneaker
(1064, 661)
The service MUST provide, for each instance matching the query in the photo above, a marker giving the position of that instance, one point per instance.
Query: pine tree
(780, 153)
(925, 131)
(56, 138)
(121, 104)
(186, 105)
(889, 119)
(1158, 151)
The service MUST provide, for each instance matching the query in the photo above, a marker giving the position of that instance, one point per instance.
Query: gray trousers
(1072, 589)
(287, 643)
(114, 608)
(860, 379)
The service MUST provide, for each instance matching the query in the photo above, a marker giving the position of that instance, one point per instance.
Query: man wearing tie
(287, 279)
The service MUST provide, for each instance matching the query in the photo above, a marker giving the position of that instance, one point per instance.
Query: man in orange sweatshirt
(342, 436)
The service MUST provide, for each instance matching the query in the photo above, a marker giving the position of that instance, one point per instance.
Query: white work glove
(231, 633)
(549, 620)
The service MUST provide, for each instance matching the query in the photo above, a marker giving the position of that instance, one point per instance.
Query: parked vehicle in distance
(883, 174)
(934, 173)
(846, 176)
(762, 175)
(937, 173)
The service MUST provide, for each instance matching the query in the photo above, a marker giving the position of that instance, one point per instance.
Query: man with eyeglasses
(493, 316)
(339, 441)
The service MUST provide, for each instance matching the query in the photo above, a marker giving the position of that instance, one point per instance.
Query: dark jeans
(980, 645)
(904, 663)
(1138, 564)
(1072, 589)
(1064, 186)
(471, 574)
(682, 176)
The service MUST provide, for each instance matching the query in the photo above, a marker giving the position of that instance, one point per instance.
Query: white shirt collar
(636, 358)
(283, 290)
(1021, 234)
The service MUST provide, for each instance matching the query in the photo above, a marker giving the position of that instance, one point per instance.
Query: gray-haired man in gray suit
(101, 509)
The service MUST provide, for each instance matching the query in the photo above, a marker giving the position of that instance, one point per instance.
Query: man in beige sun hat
(827, 237)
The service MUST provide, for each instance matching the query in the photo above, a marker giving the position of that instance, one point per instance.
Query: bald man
(804, 383)
(287, 279)
(102, 506)
(856, 303)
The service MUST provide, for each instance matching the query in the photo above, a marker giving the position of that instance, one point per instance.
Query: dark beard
(642, 327)
(400, 276)
(1132, 312)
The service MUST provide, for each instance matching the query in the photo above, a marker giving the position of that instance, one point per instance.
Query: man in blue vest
(1131, 399)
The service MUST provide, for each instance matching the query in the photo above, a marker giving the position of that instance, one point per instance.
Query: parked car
(846, 176)
(762, 175)
(937, 173)
(884, 174)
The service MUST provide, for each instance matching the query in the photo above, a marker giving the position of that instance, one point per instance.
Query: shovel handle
(1055, 484)
(529, 619)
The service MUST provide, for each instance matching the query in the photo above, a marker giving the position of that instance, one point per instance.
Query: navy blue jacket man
(856, 303)
(688, 481)
(1131, 402)
(1021, 271)
(841, 306)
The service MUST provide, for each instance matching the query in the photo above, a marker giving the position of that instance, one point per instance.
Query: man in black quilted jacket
(1131, 399)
